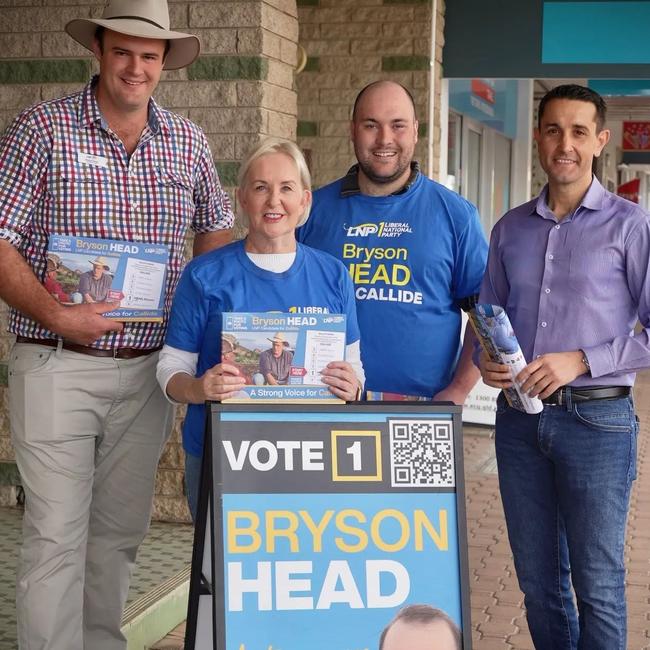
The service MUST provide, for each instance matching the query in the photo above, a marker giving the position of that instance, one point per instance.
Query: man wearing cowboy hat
(275, 363)
(94, 285)
(88, 419)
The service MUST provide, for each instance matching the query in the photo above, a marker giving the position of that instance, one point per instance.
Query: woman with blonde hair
(266, 271)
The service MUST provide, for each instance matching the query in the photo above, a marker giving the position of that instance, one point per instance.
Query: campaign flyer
(129, 275)
(282, 355)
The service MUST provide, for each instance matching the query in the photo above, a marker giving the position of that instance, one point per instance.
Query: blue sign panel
(620, 87)
(524, 39)
(295, 563)
(596, 32)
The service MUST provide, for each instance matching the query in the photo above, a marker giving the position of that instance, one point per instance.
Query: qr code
(422, 453)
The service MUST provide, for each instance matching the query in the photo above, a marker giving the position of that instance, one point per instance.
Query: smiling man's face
(384, 132)
(129, 71)
(568, 139)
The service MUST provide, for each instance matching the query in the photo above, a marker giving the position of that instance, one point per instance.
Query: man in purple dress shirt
(572, 270)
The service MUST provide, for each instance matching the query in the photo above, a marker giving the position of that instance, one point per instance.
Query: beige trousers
(88, 433)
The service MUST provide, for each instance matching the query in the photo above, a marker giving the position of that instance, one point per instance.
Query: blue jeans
(192, 482)
(565, 477)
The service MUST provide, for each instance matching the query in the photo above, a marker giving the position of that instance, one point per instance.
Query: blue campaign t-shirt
(225, 280)
(412, 256)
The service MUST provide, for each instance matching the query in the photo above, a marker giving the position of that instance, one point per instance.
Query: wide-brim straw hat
(142, 18)
(55, 259)
(100, 261)
(230, 340)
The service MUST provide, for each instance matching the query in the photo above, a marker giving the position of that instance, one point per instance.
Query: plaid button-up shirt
(168, 184)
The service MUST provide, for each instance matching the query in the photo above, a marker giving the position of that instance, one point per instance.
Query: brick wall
(240, 89)
(350, 43)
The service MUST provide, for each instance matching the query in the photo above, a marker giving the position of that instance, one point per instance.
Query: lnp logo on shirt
(381, 229)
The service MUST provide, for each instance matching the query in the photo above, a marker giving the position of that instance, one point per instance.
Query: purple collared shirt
(579, 283)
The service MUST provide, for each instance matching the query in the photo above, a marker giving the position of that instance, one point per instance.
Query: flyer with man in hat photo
(282, 355)
(129, 275)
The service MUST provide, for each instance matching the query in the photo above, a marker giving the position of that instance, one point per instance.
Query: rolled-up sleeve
(213, 208)
(23, 162)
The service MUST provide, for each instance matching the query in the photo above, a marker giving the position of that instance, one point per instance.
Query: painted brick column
(350, 43)
(239, 90)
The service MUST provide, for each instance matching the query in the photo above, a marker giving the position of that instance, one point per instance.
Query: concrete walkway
(498, 617)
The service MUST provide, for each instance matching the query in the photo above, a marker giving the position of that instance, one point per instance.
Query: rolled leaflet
(495, 333)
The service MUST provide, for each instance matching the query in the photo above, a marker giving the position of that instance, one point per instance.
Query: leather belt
(559, 397)
(114, 353)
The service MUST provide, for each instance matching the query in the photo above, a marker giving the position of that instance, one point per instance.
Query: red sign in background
(636, 136)
(630, 190)
(483, 90)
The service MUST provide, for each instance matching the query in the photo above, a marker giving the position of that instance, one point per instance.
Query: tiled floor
(10, 536)
(166, 551)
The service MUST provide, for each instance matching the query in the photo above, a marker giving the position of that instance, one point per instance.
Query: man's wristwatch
(585, 361)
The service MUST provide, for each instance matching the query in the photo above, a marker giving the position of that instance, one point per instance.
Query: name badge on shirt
(90, 159)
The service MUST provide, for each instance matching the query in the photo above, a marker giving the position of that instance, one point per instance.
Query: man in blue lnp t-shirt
(414, 249)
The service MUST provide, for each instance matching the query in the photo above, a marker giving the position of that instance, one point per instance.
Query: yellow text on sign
(352, 530)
